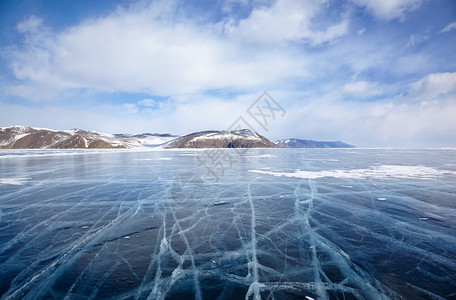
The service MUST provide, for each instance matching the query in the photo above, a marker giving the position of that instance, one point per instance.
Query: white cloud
(30, 24)
(389, 9)
(285, 21)
(147, 102)
(418, 38)
(130, 108)
(449, 27)
(361, 89)
(146, 50)
(432, 86)
(30, 92)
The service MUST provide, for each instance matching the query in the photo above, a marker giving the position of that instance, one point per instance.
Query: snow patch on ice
(14, 181)
(379, 172)
(319, 159)
(264, 156)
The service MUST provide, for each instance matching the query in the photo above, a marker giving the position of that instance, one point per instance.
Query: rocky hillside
(221, 139)
(22, 137)
(297, 143)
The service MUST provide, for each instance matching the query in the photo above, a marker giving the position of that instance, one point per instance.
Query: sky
(367, 72)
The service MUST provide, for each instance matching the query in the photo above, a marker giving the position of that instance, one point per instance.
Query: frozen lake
(269, 224)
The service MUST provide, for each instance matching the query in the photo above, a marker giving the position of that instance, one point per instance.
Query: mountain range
(23, 137)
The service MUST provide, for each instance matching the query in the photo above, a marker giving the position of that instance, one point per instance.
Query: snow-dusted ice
(274, 224)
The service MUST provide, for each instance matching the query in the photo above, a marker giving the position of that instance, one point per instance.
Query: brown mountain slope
(21, 137)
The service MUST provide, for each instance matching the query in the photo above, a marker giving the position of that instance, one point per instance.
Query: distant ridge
(298, 143)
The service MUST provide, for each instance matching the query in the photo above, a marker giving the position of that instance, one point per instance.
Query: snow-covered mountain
(244, 138)
(148, 139)
(22, 137)
(297, 143)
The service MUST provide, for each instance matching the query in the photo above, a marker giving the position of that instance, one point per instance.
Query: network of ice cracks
(141, 229)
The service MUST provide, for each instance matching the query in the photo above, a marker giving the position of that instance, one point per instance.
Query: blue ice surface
(226, 224)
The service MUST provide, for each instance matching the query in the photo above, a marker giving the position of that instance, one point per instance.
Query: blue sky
(367, 72)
